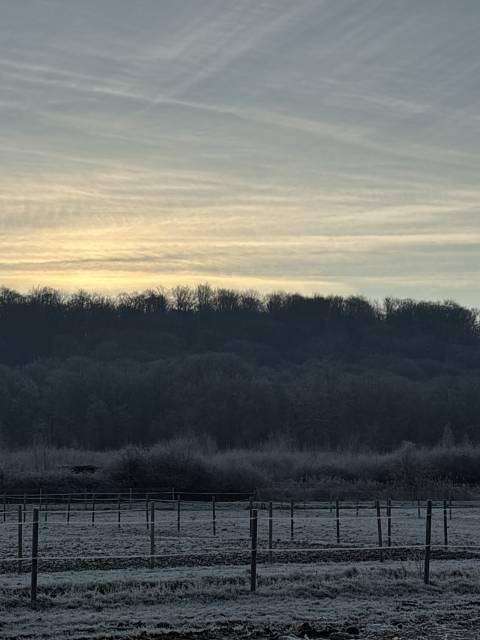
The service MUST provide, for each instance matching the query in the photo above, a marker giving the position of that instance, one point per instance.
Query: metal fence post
(253, 563)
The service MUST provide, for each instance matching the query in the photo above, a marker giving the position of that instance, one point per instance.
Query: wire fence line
(140, 494)
(113, 495)
(254, 512)
(82, 521)
(186, 514)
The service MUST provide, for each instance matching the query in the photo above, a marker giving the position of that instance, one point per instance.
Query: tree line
(235, 366)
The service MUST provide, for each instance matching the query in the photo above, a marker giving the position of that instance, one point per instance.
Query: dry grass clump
(232, 584)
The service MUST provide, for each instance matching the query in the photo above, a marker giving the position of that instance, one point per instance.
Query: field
(101, 578)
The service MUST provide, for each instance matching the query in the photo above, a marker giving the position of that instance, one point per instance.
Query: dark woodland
(237, 368)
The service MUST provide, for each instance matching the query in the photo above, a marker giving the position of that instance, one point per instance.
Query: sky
(328, 146)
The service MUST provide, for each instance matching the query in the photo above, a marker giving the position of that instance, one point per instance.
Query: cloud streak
(314, 144)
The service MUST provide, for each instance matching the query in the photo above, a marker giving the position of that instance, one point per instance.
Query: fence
(132, 512)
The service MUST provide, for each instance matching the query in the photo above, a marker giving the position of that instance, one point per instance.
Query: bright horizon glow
(321, 146)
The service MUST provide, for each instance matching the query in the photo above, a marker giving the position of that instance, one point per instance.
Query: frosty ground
(196, 590)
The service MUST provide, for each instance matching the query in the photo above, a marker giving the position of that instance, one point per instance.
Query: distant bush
(192, 465)
(129, 468)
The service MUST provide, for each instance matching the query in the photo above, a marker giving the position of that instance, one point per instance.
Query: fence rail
(44, 518)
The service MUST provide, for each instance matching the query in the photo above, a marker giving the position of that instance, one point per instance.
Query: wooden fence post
(20, 538)
(253, 562)
(178, 513)
(379, 529)
(214, 517)
(419, 513)
(119, 509)
(250, 511)
(33, 591)
(147, 500)
(4, 507)
(428, 540)
(130, 498)
(292, 522)
(356, 509)
(24, 507)
(445, 523)
(46, 508)
(152, 535)
(389, 522)
(270, 532)
(337, 517)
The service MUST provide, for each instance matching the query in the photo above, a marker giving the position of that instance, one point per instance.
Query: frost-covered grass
(128, 603)
(115, 589)
(197, 584)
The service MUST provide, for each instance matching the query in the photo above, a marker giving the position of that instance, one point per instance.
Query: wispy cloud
(315, 144)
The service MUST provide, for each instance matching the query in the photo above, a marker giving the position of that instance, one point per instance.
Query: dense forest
(236, 367)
